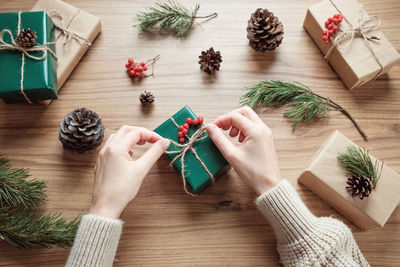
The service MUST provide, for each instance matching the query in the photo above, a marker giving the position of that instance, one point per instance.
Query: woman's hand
(117, 176)
(254, 157)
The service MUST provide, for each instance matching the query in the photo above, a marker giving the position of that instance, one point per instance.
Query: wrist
(103, 211)
(266, 184)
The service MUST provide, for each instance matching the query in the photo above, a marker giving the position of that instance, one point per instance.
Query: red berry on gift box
(180, 128)
(189, 120)
(182, 140)
(327, 23)
(330, 26)
(195, 121)
(185, 131)
(324, 32)
(325, 38)
(141, 69)
(336, 15)
(339, 19)
(335, 28)
(142, 63)
(144, 68)
(130, 60)
(180, 134)
(335, 20)
(327, 41)
(331, 32)
(201, 119)
(186, 126)
(330, 19)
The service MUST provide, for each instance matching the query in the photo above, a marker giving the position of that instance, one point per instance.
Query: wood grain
(163, 226)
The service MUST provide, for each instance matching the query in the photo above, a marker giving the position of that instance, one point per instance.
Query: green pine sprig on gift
(169, 16)
(358, 162)
(23, 223)
(304, 104)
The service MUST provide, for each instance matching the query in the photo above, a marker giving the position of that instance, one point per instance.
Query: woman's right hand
(254, 157)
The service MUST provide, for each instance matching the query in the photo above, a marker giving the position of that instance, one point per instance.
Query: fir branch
(169, 15)
(30, 229)
(305, 105)
(358, 162)
(15, 190)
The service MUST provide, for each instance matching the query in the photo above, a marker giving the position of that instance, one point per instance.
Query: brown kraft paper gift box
(77, 21)
(327, 178)
(354, 64)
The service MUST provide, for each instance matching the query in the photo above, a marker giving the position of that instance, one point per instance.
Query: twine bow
(185, 148)
(43, 49)
(364, 26)
(68, 34)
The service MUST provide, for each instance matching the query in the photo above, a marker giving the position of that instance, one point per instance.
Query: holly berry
(195, 121)
(186, 126)
(180, 128)
(180, 134)
(127, 65)
(144, 68)
(135, 69)
(132, 73)
(332, 25)
(185, 131)
(189, 120)
(201, 119)
(142, 64)
(130, 60)
(324, 32)
(182, 140)
(335, 28)
(325, 38)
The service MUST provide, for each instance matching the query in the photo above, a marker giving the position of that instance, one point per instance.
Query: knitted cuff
(286, 213)
(96, 241)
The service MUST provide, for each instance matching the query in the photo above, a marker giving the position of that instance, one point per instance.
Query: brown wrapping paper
(77, 21)
(355, 65)
(327, 178)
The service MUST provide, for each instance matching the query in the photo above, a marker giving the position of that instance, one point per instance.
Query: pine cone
(146, 98)
(210, 60)
(81, 130)
(26, 38)
(359, 186)
(264, 30)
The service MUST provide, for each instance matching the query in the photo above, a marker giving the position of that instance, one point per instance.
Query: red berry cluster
(184, 129)
(332, 27)
(135, 70)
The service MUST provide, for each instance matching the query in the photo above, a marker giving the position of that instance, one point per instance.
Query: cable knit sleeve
(96, 242)
(303, 239)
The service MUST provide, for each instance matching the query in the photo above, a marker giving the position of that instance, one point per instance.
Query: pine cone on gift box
(359, 186)
(210, 61)
(264, 30)
(146, 98)
(81, 130)
(26, 38)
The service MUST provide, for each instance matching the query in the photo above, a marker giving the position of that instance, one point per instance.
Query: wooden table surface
(163, 226)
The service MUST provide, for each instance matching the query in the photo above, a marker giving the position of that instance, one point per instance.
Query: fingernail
(165, 143)
(210, 127)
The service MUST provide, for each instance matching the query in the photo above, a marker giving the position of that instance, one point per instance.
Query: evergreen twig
(169, 15)
(22, 222)
(358, 162)
(305, 105)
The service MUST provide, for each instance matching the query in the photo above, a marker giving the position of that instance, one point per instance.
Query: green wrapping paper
(196, 176)
(40, 76)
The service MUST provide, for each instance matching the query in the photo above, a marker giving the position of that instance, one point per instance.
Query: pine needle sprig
(15, 190)
(304, 105)
(168, 16)
(22, 222)
(358, 162)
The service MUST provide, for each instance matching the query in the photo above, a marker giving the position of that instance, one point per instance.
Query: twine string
(184, 148)
(25, 51)
(68, 34)
(364, 26)
(152, 61)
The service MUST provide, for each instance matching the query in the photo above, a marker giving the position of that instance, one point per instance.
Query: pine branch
(357, 161)
(169, 15)
(305, 105)
(30, 229)
(15, 190)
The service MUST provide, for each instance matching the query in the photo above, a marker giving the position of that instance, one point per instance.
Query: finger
(133, 135)
(236, 119)
(234, 131)
(153, 153)
(249, 113)
(224, 145)
(241, 137)
(110, 138)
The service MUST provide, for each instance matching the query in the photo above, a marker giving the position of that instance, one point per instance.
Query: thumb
(153, 153)
(220, 140)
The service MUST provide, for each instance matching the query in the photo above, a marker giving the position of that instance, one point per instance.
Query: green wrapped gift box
(195, 174)
(39, 76)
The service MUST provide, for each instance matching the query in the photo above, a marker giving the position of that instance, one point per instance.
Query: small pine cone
(81, 130)
(359, 186)
(146, 98)
(264, 30)
(26, 38)
(210, 60)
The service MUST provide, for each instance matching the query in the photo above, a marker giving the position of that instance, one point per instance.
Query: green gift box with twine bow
(28, 73)
(197, 159)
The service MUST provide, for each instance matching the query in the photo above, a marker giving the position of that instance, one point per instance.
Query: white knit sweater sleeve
(303, 239)
(96, 242)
